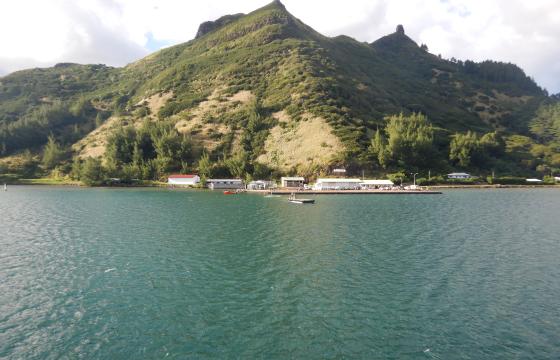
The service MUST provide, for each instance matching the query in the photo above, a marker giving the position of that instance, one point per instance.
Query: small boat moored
(229, 192)
(295, 200)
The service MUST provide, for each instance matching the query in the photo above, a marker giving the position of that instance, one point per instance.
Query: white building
(183, 180)
(459, 176)
(376, 184)
(292, 182)
(557, 178)
(260, 185)
(337, 184)
(224, 184)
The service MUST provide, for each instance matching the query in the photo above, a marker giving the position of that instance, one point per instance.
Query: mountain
(263, 92)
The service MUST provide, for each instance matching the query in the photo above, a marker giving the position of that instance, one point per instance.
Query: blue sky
(117, 32)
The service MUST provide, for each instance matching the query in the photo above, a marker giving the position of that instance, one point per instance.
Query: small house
(337, 184)
(292, 182)
(224, 184)
(260, 185)
(375, 184)
(459, 176)
(183, 180)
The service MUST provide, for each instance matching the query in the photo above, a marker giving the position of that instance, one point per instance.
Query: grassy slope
(287, 66)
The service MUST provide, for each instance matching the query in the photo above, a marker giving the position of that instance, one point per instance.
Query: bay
(156, 273)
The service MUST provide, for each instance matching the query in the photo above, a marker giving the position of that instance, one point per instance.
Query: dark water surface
(137, 273)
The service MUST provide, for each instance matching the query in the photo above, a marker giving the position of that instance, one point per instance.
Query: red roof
(182, 176)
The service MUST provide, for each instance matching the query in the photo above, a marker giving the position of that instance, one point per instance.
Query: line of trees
(148, 152)
(406, 141)
(409, 142)
(154, 149)
(469, 149)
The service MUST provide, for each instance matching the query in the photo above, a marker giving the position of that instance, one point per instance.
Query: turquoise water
(138, 273)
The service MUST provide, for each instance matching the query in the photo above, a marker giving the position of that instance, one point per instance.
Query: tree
(463, 147)
(409, 140)
(237, 165)
(546, 123)
(492, 144)
(378, 149)
(397, 177)
(52, 153)
(28, 165)
(82, 107)
(204, 167)
(119, 149)
(76, 171)
(92, 172)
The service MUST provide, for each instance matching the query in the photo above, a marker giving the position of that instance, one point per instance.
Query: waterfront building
(183, 180)
(375, 184)
(224, 184)
(459, 176)
(261, 185)
(337, 184)
(292, 182)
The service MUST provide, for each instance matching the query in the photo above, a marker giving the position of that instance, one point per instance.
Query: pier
(346, 192)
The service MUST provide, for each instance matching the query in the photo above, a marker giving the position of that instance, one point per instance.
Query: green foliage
(237, 166)
(82, 108)
(91, 172)
(463, 148)
(397, 177)
(434, 180)
(150, 152)
(498, 72)
(204, 167)
(53, 153)
(76, 169)
(28, 165)
(378, 149)
(408, 142)
(492, 144)
(546, 123)
(287, 66)
(468, 149)
(507, 180)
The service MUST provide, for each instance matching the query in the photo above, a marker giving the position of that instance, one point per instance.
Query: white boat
(5, 187)
(295, 200)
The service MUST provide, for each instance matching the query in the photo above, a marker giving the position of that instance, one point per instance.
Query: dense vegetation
(395, 107)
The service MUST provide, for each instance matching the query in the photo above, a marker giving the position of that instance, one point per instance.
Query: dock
(346, 192)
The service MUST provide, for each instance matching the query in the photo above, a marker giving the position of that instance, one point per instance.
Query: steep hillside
(263, 92)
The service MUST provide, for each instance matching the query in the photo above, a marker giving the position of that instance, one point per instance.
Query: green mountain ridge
(264, 93)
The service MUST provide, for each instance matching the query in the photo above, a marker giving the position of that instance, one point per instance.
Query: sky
(39, 33)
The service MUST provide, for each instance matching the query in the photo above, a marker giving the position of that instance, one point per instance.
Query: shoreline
(345, 192)
(432, 189)
(494, 186)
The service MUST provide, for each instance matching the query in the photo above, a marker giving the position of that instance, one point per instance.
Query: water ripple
(138, 273)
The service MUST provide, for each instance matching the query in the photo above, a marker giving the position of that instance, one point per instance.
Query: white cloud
(116, 32)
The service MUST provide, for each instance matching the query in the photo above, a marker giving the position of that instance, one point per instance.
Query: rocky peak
(209, 26)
